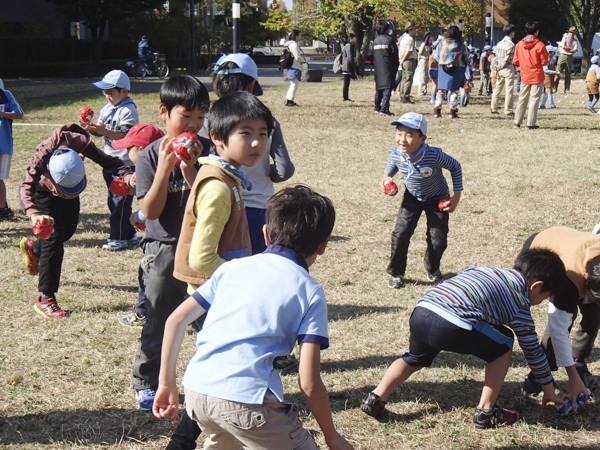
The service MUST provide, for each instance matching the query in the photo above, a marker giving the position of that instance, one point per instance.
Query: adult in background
(407, 54)
(423, 56)
(349, 66)
(385, 62)
(566, 49)
(294, 73)
(398, 80)
(503, 64)
(452, 55)
(485, 70)
(146, 52)
(531, 56)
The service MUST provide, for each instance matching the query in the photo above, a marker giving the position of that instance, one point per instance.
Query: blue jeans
(120, 212)
(382, 100)
(256, 220)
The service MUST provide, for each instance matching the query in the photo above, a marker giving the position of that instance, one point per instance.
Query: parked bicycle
(140, 69)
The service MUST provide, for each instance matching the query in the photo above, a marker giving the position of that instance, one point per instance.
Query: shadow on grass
(82, 427)
(346, 312)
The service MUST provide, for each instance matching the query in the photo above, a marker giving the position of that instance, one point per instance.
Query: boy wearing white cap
(591, 83)
(116, 118)
(484, 70)
(426, 190)
(9, 111)
(551, 78)
(49, 194)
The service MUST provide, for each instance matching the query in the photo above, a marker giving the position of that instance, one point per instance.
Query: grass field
(66, 384)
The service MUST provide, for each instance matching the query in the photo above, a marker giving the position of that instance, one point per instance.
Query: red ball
(183, 144)
(444, 203)
(86, 114)
(42, 230)
(119, 187)
(390, 188)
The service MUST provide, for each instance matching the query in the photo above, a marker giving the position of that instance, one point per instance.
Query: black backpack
(286, 59)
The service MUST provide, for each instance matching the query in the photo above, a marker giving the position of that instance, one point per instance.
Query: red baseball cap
(141, 135)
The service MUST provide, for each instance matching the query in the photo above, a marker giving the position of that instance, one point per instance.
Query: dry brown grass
(66, 384)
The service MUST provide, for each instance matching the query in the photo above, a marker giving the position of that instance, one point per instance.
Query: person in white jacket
(294, 73)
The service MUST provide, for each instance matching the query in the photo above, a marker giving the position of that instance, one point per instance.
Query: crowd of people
(217, 237)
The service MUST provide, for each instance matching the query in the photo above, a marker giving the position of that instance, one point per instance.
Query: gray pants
(408, 73)
(564, 64)
(164, 294)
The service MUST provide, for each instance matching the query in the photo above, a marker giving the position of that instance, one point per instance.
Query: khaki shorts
(591, 87)
(233, 425)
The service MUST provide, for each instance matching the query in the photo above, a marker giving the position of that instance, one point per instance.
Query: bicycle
(140, 69)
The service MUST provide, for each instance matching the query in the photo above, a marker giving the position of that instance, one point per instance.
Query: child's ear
(162, 110)
(219, 143)
(266, 235)
(535, 284)
(321, 248)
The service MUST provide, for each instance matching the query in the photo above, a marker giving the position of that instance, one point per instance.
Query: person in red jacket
(531, 56)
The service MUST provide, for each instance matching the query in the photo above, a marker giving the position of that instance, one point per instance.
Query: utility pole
(235, 12)
(193, 50)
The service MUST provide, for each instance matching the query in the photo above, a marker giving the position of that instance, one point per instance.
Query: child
(421, 166)
(468, 314)
(551, 77)
(484, 70)
(115, 120)
(591, 83)
(265, 303)
(580, 253)
(138, 138)
(49, 194)
(163, 188)
(465, 90)
(9, 111)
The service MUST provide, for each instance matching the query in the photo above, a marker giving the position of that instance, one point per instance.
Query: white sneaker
(596, 229)
(115, 245)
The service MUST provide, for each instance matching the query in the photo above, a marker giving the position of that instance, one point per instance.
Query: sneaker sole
(129, 325)
(369, 411)
(41, 313)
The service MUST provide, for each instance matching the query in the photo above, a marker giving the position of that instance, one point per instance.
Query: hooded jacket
(385, 61)
(531, 56)
(37, 177)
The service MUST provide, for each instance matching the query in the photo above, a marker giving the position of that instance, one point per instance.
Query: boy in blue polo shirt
(421, 166)
(265, 303)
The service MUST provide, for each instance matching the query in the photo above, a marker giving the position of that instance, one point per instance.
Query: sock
(551, 97)
(544, 98)
(433, 97)
(46, 297)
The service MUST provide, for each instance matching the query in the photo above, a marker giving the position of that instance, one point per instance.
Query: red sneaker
(49, 308)
(31, 260)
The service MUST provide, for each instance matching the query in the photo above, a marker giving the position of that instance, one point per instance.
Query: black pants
(584, 337)
(51, 251)
(347, 78)
(437, 234)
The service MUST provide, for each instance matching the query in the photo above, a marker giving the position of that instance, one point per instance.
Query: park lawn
(66, 384)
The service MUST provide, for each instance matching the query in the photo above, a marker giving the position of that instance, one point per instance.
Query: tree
(585, 14)
(97, 14)
(470, 12)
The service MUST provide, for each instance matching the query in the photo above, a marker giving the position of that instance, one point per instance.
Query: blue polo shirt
(257, 308)
(7, 104)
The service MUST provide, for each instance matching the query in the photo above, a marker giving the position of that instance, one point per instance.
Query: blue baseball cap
(412, 120)
(68, 171)
(487, 47)
(245, 65)
(114, 79)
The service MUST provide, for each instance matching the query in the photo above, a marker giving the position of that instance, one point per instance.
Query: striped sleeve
(447, 162)
(391, 167)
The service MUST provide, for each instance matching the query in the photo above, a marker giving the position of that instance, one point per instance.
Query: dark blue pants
(382, 100)
(120, 212)
(256, 220)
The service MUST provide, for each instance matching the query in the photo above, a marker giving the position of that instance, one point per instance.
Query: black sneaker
(396, 282)
(373, 406)
(590, 381)
(531, 387)
(6, 214)
(435, 277)
(494, 417)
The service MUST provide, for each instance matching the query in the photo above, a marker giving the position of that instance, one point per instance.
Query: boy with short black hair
(115, 120)
(276, 302)
(163, 188)
(469, 314)
(49, 195)
(9, 111)
(421, 166)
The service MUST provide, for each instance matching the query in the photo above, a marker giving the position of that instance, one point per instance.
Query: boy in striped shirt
(421, 166)
(473, 313)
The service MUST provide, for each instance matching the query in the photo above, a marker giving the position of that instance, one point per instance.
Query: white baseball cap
(412, 120)
(114, 79)
(68, 171)
(245, 65)
(595, 59)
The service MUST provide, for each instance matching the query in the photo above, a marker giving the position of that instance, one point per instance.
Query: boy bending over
(264, 303)
(468, 314)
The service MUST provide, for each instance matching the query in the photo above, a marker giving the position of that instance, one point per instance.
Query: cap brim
(73, 191)
(103, 85)
(121, 144)
(258, 91)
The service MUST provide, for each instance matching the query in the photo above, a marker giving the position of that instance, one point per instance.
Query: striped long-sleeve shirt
(496, 296)
(424, 178)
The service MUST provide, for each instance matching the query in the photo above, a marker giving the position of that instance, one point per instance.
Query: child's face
(246, 145)
(408, 140)
(180, 120)
(115, 96)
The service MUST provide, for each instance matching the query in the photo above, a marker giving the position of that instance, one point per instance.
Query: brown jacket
(575, 248)
(37, 176)
(235, 237)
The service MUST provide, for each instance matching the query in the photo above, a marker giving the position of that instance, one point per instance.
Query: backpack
(337, 64)
(286, 59)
